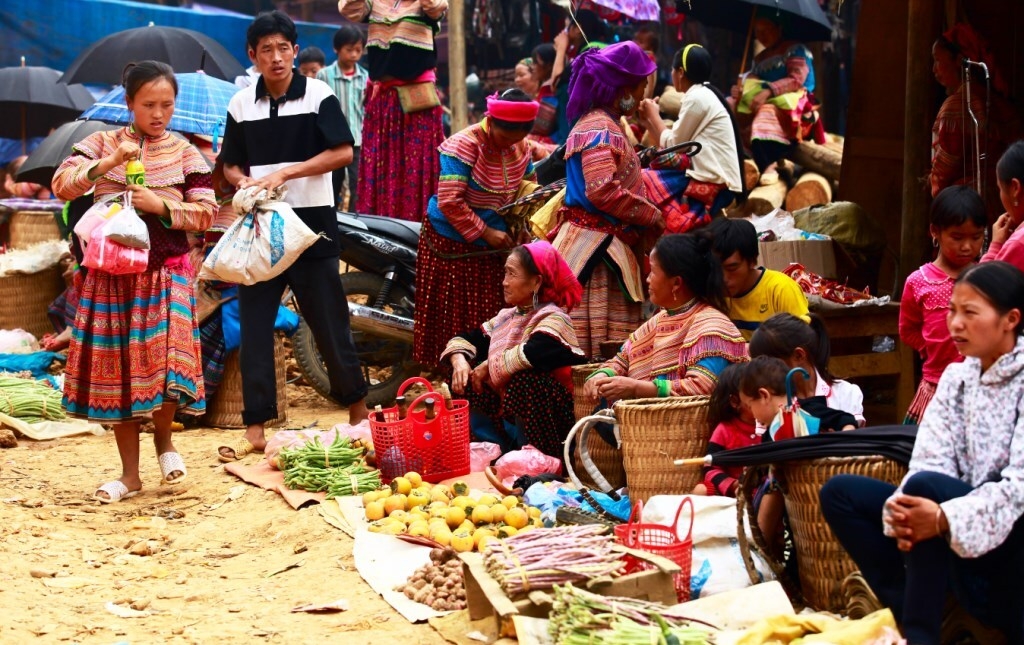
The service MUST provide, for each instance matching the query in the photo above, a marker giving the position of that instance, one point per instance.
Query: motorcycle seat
(407, 233)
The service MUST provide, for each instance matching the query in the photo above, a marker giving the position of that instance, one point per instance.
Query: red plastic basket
(437, 448)
(659, 540)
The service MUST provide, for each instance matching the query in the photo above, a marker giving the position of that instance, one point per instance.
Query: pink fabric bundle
(512, 111)
(558, 282)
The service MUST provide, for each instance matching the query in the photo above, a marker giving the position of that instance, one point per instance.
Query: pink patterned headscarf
(598, 75)
(558, 283)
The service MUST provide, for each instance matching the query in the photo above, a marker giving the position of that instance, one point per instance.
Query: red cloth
(512, 111)
(558, 282)
(728, 435)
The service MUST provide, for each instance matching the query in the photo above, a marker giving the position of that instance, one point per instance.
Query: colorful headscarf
(558, 283)
(965, 41)
(511, 111)
(598, 76)
(528, 62)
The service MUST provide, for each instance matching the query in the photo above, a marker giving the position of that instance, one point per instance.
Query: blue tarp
(53, 32)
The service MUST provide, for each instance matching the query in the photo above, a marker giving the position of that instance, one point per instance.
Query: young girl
(1007, 233)
(956, 517)
(958, 221)
(763, 392)
(734, 427)
(800, 344)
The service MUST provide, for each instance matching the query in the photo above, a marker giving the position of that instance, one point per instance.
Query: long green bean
(337, 469)
(30, 401)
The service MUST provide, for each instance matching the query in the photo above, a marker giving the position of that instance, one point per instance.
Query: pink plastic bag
(528, 461)
(481, 454)
(106, 255)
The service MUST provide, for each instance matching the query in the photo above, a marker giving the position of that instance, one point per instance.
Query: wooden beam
(457, 64)
(922, 29)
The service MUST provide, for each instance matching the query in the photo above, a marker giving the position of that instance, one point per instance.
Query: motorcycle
(380, 285)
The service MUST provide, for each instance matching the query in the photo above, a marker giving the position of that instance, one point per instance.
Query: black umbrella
(183, 49)
(33, 102)
(44, 160)
(895, 442)
(804, 19)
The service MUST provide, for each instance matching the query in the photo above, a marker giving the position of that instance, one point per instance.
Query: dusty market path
(202, 571)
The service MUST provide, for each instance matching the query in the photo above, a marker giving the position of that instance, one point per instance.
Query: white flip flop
(169, 463)
(115, 490)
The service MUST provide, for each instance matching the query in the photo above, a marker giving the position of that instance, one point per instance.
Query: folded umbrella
(895, 442)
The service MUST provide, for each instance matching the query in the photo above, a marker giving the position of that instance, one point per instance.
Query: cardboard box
(817, 256)
(485, 597)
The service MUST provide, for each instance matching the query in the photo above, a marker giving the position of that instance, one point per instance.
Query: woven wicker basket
(225, 411)
(606, 457)
(654, 433)
(822, 561)
(33, 227)
(25, 297)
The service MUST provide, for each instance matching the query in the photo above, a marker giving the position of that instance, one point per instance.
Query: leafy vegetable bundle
(338, 469)
(30, 401)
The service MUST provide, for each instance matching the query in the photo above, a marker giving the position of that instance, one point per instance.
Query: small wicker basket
(605, 456)
(655, 432)
(32, 227)
(822, 561)
(26, 298)
(225, 410)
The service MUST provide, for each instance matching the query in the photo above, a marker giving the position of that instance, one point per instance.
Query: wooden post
(457, 65)
(922, 29)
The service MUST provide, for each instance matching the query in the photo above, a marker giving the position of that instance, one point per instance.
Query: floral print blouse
(973, 430)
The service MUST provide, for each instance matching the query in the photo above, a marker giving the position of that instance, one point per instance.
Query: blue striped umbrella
(200, 108)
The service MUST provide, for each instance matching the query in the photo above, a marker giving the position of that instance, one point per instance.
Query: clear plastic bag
(127, 228)
(97, 215)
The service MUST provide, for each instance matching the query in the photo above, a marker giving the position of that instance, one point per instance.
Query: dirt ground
(201, 570)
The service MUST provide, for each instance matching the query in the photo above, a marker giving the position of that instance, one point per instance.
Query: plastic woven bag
(261, 244)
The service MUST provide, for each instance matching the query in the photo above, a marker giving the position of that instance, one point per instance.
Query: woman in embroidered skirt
(464, 241)
(516, 366)
(682, 349)
(606, 208)
(134, 350)
(398, 167)
(774, 97)
(954, 523)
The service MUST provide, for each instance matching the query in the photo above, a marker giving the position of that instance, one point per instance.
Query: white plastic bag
(717, 561)
(262, 243)
(17, 341)
(126, 227)
(97, 215)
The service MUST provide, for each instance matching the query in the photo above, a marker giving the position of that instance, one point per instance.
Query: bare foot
(358, 412)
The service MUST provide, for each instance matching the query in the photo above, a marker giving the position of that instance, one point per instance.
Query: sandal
(240, 448)
(171, 462)
(115, 490)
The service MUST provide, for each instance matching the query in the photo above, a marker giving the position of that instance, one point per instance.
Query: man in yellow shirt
(755, 293)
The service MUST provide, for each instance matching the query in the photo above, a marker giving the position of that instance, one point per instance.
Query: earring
(935, 242)
(536, 298)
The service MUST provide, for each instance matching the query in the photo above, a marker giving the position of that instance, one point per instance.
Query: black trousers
(914, 584)
(321, 298)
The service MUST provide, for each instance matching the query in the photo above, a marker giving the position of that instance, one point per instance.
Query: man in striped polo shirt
(289, 129)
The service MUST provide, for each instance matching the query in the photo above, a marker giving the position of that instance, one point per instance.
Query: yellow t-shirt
(775, 292)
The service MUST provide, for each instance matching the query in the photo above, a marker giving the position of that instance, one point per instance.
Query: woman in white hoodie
(955, 521)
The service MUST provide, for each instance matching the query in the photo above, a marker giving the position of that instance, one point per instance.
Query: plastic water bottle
(135, 173)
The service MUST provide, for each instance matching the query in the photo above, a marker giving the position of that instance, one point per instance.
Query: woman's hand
(460, 373)
(736, 92)
(562, 41)
(592, 387)
(648, 114)
(125, 152)
(912, 520)
(146, 201)
(759, 100)
(617, 388)
(1002, 229)
(497, 239)
(480, 377)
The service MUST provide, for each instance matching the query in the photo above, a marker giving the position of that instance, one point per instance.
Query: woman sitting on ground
(955, 521)
(516, 366)
(683, 348)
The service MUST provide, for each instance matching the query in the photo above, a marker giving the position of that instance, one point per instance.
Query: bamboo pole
(457, 64)
(922, 26)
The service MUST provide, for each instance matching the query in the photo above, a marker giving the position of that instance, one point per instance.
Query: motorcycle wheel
(386, 363)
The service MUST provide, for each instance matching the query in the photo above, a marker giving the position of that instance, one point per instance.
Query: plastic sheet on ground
(46, 430)
(386, 562)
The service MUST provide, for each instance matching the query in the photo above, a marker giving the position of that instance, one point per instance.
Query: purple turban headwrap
(599, 75)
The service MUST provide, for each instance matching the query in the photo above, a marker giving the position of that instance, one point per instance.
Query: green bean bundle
(30, 401)
(580, 617)
(340, 454)
(337, 469)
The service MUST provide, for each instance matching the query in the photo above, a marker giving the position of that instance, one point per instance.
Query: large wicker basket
(605, 456)
(655, 432)
(25, 298)
(822, 561)
(32, 227)
(225, 411)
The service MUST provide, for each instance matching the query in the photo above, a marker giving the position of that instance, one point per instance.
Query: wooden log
(820, 159)
(810, 190)
(762, 200)
(751, 174)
